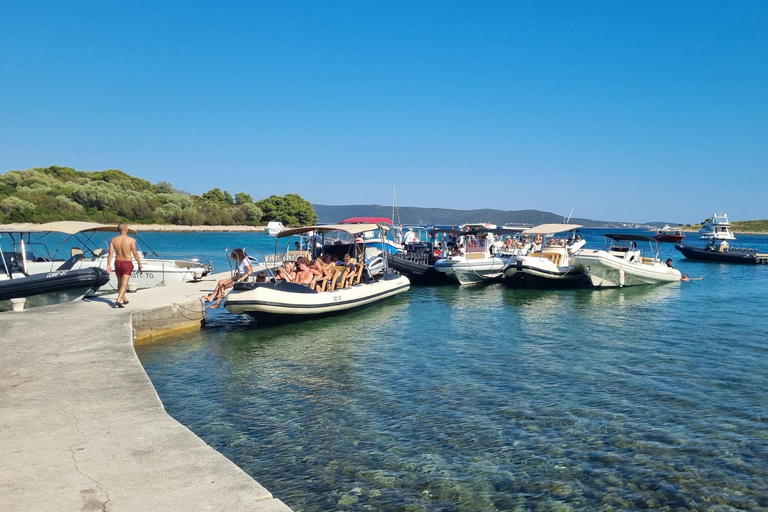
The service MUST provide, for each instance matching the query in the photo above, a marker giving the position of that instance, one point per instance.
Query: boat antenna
(569, 217)
(394, 207)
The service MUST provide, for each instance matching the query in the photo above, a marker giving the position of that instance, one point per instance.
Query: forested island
(46, 194)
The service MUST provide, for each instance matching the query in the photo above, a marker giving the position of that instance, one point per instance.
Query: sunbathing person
(242, 272)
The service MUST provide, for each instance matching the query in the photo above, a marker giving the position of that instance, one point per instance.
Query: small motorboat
(61, 285)
(277, 301)
(81, 238)
(552, 264)
(274, 227)
(668, 235)
(480, 254)
(721, 251)
(630, 260)
(419, 254)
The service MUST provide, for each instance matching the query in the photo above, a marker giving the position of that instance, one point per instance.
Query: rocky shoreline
(156, 227)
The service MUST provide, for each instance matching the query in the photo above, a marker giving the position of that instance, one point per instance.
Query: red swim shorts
(123, 268)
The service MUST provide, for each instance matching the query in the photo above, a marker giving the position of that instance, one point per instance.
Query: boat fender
(621, 278)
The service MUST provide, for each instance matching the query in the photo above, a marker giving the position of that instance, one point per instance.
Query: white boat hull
(608, 271)
(472, 271)
(272, 303)
(535, 271)
(155, 272)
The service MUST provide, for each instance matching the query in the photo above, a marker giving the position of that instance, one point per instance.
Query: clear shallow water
(487, 398)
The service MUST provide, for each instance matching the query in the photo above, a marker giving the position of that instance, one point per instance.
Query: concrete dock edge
(81, 425)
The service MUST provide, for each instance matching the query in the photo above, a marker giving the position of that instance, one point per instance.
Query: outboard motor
(375, 265)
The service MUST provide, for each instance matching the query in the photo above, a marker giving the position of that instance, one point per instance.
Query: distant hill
(442, 216)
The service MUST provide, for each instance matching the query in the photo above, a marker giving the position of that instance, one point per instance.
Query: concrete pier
(81, 426)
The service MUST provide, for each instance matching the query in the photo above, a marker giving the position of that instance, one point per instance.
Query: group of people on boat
(317, 274)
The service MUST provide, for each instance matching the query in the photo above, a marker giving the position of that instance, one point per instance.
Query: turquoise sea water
(485, 398)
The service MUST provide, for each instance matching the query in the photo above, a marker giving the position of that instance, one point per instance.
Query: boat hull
(51, 288)
(533, 273)
(607, 271)
(155, 272)
(668, 238)
(288, 302)
(416, 271)
(472, 271)
(697, 253)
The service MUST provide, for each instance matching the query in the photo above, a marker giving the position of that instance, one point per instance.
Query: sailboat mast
(394, 207)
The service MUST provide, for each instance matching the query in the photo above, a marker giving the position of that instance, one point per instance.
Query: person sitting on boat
(261, 277)
(242, 272)
(304, 274)
(410, 237)
(669, 262)
(322, 273)
(286, 272)
(349, 263)
(457, 250)
(723, 247)
(508, 244)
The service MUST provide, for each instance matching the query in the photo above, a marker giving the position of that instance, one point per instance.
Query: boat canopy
(21, 231)
(73, 227)
(366, 220)
(460, 232)
(551, 228)
(352, 229)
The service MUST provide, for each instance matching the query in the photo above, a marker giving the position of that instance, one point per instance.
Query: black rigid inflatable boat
(729, 255)
(61, 285)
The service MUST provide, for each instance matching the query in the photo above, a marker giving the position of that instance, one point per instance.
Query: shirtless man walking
(124, 248)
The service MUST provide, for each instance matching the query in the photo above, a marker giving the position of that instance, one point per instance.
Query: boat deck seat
(358, 272)
(475, 255)
(338, 275)
(554, 257)
(75, 251)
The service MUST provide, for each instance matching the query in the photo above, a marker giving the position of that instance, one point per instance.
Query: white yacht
(625, 263)
(276, 301)
(718, 228)
(552, 263)
(480, 254)
(80, 244)
(274, 227)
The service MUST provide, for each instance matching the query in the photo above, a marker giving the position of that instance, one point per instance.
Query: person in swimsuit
(286, 272)
(123, 247)
(322, 273)
(244, 270)
(305, 276)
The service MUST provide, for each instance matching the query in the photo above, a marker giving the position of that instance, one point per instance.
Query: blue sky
(636, 111)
